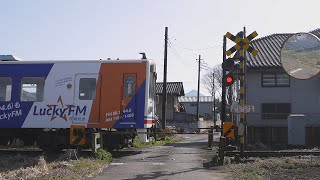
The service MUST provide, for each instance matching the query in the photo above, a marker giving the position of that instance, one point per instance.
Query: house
(174, 90)
(205, 105)
(275, 95)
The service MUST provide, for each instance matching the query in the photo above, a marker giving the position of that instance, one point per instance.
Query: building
(205, 105)
(174, 90)
(275, 95)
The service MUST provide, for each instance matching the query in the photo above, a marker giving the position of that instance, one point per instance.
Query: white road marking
(161, 164)
(117, 164)
(294, 71)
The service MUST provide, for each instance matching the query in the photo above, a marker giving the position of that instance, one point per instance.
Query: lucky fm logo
(60, 110)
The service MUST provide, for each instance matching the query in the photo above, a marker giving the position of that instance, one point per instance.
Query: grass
(158, 142)
(251, 173)
(271, 168)
(83, 168)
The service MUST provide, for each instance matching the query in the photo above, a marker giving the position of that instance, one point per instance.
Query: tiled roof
(269, 50)
(194, 99)
(172, 88)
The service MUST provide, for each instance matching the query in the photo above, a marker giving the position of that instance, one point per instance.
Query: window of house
(275, 110)
(275, 80)
(5, 88)
(32, 89)
(87, 88)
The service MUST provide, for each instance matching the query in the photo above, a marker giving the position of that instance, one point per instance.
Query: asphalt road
(182, 160)
(300, 70)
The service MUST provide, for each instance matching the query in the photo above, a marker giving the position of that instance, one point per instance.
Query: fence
(271, 129)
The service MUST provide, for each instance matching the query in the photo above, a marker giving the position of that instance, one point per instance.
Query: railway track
(21, 151)
(37, 152)
(273, 153)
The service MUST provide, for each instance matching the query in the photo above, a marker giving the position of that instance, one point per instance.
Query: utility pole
(214, 101)
(243, 94)
(223, 98)
(164, 86)
(198, 87)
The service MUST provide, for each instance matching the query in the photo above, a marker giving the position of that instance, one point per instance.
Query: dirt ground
(300, 167)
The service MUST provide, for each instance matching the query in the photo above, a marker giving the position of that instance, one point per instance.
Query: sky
(101, 29)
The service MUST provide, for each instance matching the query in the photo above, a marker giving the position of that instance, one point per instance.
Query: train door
(128, 104)
(87, 99)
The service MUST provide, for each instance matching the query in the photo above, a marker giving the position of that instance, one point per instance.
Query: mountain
(193, 93)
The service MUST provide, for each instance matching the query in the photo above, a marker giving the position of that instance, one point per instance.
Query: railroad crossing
(242, 45)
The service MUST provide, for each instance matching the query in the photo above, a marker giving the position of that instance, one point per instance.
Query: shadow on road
(119, 154)
(158, 174)
(187, 144)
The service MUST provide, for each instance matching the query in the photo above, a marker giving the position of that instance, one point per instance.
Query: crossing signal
(229, 80)
(229, 64)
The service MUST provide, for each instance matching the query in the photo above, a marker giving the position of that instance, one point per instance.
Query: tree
(212, 80)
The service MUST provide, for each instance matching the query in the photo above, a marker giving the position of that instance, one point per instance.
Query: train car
(56, 104)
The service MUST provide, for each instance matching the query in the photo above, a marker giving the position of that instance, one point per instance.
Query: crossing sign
(77, 135)
(228, 129)
(242, 109)
(242, 43)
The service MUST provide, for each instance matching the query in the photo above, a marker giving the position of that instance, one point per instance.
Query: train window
(129, 85)
(32, 89)
(5, 88)
(87, 88)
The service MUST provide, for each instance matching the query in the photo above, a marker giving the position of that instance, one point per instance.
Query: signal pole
(242, 95)
(214, 101)
(223, 98)
(164, 87)
(198, 87)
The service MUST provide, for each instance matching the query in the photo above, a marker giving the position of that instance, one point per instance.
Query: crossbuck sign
(242, 109)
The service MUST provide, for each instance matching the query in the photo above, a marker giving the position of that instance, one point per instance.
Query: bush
(180, 129)
(166, 132)
(227, 160)
(102, 154)
(215, 159)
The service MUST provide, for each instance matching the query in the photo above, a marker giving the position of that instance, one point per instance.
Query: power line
(194, 49)
(178, 56)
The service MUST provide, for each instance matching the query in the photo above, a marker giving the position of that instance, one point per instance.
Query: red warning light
(229, 79)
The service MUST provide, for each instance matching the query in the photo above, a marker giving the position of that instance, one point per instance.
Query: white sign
(240, 109)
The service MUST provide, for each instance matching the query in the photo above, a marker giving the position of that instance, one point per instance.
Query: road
(300, 70)
(181, 160)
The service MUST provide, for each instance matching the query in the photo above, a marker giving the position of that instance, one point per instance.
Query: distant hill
(193, 93)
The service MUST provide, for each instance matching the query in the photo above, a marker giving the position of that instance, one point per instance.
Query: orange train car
(38, 99)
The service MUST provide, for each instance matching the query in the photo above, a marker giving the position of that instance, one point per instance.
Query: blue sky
(95, 29)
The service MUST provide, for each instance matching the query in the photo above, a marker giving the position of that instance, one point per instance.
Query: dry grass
(26, 167)
(278, 168)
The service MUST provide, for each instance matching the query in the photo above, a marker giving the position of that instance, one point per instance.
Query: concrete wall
(172, 102)
(304, 96)
(189, 122)
(204, 107)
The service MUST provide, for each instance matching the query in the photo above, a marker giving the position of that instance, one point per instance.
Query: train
(64, 104)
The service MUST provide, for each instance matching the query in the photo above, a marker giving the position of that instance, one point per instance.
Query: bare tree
(212, 80)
